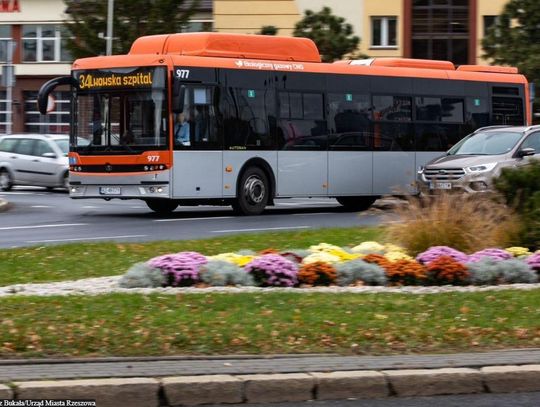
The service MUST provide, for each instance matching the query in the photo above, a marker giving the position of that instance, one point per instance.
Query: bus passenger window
(394, 108)
(302, 124)
(349, 118)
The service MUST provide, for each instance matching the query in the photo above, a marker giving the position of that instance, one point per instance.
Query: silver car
(471, 164)
(34, 159)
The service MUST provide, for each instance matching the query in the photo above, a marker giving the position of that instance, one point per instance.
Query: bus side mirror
(179, 91)
(48, 87)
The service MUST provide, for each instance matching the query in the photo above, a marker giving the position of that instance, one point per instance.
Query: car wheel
(253, 192)
(356, 203)
(6, 180)
(162, 206)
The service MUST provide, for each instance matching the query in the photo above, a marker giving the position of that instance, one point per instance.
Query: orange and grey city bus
(243, 120)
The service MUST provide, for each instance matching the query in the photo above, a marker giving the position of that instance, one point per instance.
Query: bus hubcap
(254, 190)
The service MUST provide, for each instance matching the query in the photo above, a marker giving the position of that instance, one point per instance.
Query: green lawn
(131, 324)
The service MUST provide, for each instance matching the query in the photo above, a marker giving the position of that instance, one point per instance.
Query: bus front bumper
(119, 191)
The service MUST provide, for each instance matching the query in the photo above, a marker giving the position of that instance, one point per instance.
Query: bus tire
(162, 206)
(356, 203)
(253, 192)
(6, 180)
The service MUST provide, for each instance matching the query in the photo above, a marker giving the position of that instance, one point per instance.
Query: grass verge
(75, 261)
(271, 322)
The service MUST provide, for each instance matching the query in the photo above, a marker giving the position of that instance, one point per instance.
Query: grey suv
(34, 159)
(472, 163)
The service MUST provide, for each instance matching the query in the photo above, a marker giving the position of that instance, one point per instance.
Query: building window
(384, 32)
(3, 112)
(5, 38)
(198, 26)
(489, 21)
(44, 43)
(440, 30)
(55, 122)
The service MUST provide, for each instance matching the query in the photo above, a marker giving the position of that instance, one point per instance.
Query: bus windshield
(120, 111)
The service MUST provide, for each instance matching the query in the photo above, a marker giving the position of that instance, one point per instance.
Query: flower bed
(369, 263)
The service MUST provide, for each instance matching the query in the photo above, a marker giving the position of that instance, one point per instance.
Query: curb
(275, 388)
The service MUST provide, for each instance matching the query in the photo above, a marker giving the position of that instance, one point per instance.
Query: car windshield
(487, 143)
(63, 143)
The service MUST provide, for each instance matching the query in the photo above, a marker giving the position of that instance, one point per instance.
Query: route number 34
(153, 158)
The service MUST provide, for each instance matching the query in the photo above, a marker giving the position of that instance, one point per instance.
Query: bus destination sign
(101, 80)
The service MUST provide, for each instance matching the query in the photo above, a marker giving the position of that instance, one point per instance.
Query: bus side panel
(234, 161)
(350, 173)
(302, 173)
(197, 174)
(393, 172)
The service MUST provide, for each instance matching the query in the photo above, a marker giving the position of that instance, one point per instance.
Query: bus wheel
(252, 193)
(6, 182)
(356, 203)
(162, 206)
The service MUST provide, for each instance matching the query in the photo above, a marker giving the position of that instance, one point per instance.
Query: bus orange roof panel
(413, 63)
(229, 46)
(488, 69)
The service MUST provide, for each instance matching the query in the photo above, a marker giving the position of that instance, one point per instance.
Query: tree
(514, 39)
(132, 19)
(331, 34)
(268, 30)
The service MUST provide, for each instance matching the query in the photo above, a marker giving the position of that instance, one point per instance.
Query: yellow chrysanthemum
(390, 247)
(395, 256)
(517, 251)
(321, 256)
(343, 255)
(324, 247)
(238, 259)
(369, 247)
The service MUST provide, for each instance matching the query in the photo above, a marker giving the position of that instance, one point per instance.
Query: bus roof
(270, 53)
(229, 46)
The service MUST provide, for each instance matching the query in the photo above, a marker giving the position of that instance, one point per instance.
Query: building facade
(431, 29)
(35, 28)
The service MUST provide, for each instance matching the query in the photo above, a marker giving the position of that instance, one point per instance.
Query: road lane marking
(85, 238)
(41, 206)
(312, 214)
(184, 219)
(260, 229)
(43, 226)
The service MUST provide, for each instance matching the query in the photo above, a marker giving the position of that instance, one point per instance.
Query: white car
(34, 159)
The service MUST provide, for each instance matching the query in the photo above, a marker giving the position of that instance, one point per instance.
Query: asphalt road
(38, 217)
(468, 400)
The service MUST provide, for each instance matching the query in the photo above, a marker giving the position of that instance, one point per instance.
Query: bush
(272, 270)
(180, 269)
(516, 271)
(465, 222)
(353, 271)
(490, 271)
(142, 275)
(493, 253)
(221, 273)
(317, 273)
(406, 272)
(521, 190)
(446, 270)
(435, 252)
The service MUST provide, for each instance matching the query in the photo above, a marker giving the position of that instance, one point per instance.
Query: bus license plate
(441, 185)
(110, 190)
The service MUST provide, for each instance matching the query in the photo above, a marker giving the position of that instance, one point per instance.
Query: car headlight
(481, 168)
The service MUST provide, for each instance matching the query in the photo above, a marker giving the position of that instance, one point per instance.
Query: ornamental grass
(317, 273)
(465, 222)
(446, 270)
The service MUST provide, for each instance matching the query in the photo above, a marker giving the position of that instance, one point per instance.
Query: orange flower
(406, 272)
(317, 273)
(446, 270)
